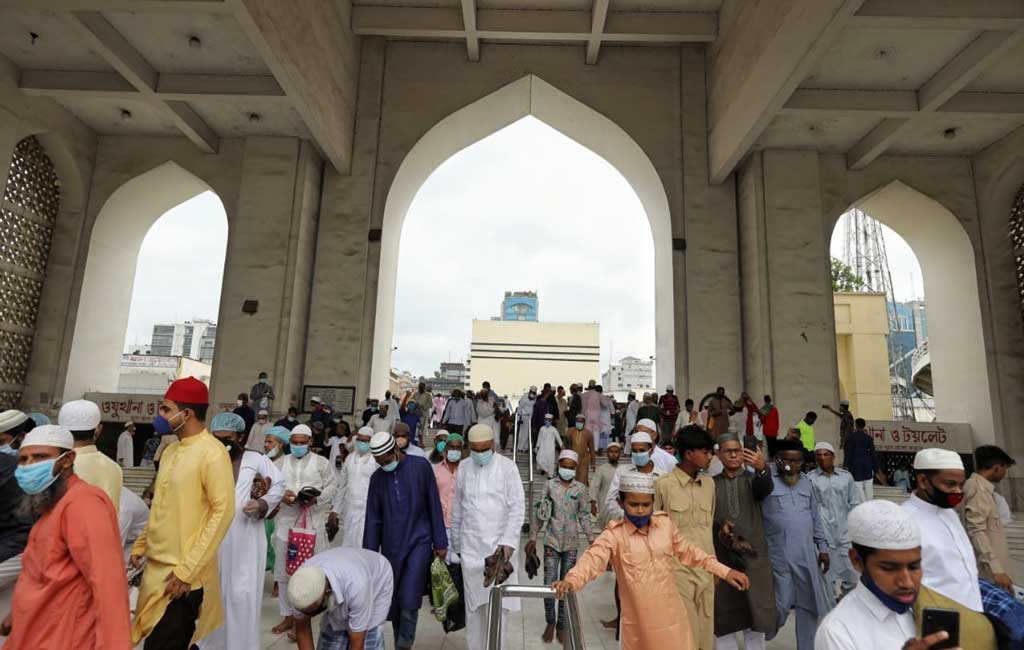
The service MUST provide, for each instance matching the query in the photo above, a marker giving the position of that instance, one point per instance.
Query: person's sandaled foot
(284, 625)
(560, 635)
(549, 633)
(612, 624)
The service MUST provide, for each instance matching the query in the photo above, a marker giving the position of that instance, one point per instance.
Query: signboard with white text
(911, 437)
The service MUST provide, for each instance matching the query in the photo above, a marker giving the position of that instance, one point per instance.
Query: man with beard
(14, 527)
(72, 592)
(945, 548)
(837, 495)
(740, 544)
(259, 486)
(688, 496)
(797, 546)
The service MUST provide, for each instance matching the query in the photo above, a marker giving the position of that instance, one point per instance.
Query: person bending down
(643, 548)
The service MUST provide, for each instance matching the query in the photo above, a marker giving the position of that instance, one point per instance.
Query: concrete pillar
(269, 259)
(340, 339)
(709, 345)
(788, 317)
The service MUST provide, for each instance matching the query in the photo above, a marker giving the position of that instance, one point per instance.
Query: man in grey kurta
(837, 494)
(739, 492)
(797, 546)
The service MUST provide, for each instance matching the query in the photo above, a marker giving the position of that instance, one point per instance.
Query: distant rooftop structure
(520, 305)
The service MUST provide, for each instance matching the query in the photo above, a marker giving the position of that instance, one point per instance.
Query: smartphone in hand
(935, 619)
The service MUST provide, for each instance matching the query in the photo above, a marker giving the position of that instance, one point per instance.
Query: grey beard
(33, 505)
(790, 479)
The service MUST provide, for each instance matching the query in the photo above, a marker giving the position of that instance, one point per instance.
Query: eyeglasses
(732, 452)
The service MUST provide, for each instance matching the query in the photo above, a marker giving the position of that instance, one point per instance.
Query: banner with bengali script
(910, 437)
(126, 407)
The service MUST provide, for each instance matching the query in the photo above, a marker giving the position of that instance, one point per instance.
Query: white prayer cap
(314, 399)
(580, 416)
(844, 402)
(648, 424)
(306, 586)
(79, 415)
(883, 525)
(824, 446)
(365, 431)
(641, 436)
(49, 435)
(262, 412)
(302, 430)
(570, 454)
(636, 482)
(11, 419)
(441, 432)
(549, 416)
(480, 433)
(670, 387)
(613, 444)
(938, 459)
(381, 443)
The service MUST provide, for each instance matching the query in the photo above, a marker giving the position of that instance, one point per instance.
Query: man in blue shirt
(861, 460)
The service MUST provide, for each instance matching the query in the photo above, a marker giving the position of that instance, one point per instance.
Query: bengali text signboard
(126, 407)
(341, 398)
(911, 437)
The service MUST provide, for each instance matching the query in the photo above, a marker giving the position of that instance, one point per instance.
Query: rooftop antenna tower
(864, 252)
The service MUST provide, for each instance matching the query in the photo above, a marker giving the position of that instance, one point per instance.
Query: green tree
(844, 280)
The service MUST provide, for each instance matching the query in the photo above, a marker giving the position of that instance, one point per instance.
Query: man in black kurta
(740, 544)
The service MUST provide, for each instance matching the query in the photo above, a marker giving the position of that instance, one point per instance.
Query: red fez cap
(188, 391)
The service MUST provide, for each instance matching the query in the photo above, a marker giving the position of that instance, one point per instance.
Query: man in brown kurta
(688, 496)
(739, 491)
(981, 516)
(581, 440)
(719, 408)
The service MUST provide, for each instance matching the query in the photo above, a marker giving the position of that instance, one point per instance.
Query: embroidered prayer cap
(825, 446)
(883, 525)
(188, 391)
(307, 586)
(365, 431)
(570, 454)
(934, 458)
(641, 436)
(381, 443)
(227, 422)
(613, 444)
(79, 415)
(637, 483)
(49, 435)
(302, 430)
(844, 402)
(11, 419)
(480, 433)
(549, 416)
(647, 423)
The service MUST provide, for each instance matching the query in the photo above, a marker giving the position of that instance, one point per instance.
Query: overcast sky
(524, 209)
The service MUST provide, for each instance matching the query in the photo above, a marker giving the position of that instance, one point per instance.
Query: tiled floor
(525, 627)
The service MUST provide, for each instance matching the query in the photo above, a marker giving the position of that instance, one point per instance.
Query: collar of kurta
(87, 449)
(873, 604)
(191, 440)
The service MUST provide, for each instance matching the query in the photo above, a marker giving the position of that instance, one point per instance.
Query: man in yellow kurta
(193, 506)
(82, 418)
(689, 499)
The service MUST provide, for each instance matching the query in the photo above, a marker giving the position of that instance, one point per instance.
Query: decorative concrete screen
(1017, 241)
(27, 214)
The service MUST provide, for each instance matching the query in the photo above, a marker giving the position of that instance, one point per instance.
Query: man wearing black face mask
(950, 567)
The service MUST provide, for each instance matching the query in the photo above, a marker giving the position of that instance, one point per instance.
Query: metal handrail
(573, 639)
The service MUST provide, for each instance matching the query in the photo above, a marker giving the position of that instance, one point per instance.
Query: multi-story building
(195, 339)
(521, 306)
(630, 374)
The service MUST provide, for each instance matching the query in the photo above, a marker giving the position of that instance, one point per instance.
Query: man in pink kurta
(72, 592)
(445, 473)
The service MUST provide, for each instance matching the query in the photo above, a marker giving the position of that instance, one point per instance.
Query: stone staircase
(137, 479)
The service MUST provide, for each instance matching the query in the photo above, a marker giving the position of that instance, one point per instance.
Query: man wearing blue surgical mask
(261, 395)
(310, 488)
(487, 515)
(405, 524)
(353, 484)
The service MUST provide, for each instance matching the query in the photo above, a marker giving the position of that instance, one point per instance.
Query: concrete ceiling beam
(170, 87)
(146, 6)
(598, 16)
(109, 44)
(875, 143)
(948, 14)
(312, 53)
(764, 51)
(898, 103)
(535, 25)
(469, 26)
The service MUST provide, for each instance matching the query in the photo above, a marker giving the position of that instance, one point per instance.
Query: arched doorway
(528, 96)
(109, 279)
(955, 336)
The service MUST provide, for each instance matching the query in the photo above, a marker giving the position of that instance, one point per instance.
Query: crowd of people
(717, 524)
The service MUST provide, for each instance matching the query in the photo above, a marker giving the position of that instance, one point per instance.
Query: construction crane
(864, 252)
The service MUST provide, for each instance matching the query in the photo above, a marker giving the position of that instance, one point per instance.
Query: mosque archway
(953, 306)
(529, 96)
(110, 272)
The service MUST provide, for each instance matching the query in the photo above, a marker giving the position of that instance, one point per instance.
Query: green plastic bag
(442, 590)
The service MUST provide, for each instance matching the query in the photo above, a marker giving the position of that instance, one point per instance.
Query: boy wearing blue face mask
(405, 524)
(561, 513)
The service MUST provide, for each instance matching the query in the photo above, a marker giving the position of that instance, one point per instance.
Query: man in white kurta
(354, 485)
(947, 555)
(487, 516)
(301, 468)
(126, 446)
(382, 420)
(242, 558)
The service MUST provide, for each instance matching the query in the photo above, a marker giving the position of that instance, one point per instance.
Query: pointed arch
(952, 301)
(527, 96)
(109, 279)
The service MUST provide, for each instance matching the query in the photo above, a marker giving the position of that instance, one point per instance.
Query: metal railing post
(574, 628)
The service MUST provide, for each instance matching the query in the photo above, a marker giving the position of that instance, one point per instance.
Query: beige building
(862, 326)
(514, 355)
(150, 374)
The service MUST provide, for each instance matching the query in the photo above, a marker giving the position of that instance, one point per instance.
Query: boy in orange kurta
(643, 549)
